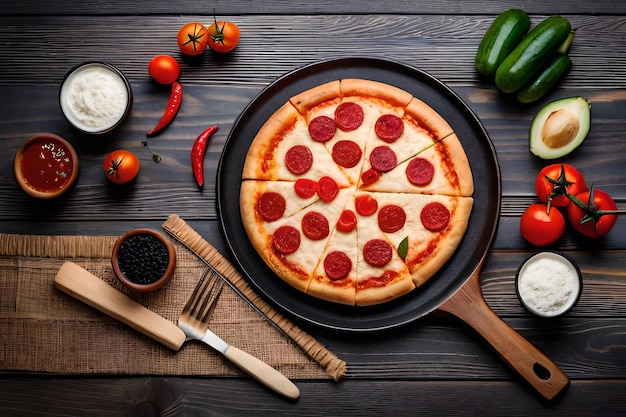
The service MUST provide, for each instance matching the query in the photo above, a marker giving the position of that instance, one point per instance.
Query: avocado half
(560, 127)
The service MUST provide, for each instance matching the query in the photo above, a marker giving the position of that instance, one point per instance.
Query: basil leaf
(403, 248)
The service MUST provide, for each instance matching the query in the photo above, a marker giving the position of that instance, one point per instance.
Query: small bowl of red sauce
(45, 166)
(143, 260)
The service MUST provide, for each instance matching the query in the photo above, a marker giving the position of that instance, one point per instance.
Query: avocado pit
(560, 129)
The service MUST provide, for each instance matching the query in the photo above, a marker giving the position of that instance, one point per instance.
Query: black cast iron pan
(456, 287)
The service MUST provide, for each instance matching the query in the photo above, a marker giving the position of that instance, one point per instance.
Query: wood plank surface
(434, 366)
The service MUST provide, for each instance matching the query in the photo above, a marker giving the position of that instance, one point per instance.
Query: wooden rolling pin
(88, 288)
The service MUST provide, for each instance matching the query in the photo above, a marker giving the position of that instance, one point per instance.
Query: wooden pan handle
(533, 366)
(88, 288)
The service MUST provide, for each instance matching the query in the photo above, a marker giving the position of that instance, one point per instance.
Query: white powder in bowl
(94, 97)
(548, 284)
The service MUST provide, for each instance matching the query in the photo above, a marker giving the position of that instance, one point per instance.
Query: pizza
(356, 192)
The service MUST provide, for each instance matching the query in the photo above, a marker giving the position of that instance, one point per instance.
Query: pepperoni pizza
(356, 192)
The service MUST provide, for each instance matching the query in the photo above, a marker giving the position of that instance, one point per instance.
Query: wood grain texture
(289, 7)
(436, 366)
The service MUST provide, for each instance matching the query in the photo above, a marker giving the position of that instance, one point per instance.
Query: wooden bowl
(45, 166)
(143, 260)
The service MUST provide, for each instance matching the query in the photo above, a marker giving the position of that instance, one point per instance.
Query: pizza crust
(429, 118)
(388, 94)
(308, 100)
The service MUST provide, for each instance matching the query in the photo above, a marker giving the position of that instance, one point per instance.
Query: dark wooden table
(434, 366)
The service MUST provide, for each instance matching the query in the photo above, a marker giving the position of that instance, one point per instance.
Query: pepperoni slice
(347, 221)
(305, 188)
(349, 116)
(299, 159)
(327, 189)
(377, 252)
(420, 171)
(322, 129)
(370, 176)
(389, 127)
(346, 153)
(271, 206)
(383, 158)
(435, 216)
(391, 218)
(315, 225)
(286, 239)
(337, 265)
(366, 205)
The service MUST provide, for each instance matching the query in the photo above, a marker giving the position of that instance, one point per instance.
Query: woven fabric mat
(44, 330)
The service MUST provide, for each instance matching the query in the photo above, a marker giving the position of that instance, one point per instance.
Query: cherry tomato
(565, 178)
(540, 227)
(599, 224)
(193, 38)
(121, 166)
(164, 69)
(224, 36)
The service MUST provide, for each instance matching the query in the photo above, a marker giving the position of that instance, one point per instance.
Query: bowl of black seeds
(143, 260)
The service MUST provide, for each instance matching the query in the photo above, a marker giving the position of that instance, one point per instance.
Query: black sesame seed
(143, 258)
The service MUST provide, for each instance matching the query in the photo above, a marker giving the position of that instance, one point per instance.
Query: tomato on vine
(592, 213)
(223, 36)
(193, 38)
(554, 183)
(121, 166)
(541, 225)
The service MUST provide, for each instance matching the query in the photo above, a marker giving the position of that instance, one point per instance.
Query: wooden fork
(193, 321)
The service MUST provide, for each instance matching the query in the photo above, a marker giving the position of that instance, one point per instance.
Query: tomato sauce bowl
(45, 166)
(95, 97)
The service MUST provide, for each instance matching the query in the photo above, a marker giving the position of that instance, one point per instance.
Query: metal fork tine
(202, 302)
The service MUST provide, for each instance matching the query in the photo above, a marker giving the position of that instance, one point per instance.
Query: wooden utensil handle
(540, 372)
(262, 372)
(88, 288)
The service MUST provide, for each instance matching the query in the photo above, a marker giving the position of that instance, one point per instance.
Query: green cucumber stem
(564, 48)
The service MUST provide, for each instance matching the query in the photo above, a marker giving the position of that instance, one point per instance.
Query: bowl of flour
(95, 97)
(548, 284)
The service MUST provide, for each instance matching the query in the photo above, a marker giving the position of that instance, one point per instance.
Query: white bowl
(95, 97)
(548, 284)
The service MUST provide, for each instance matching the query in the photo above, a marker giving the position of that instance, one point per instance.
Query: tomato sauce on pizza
(356, 192)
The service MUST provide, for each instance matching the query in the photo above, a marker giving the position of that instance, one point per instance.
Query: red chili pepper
(172, 108)
(197, 153)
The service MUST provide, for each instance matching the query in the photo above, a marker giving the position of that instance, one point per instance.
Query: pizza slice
(382, 274)
(291, 242)
(335, 276)
(283, 150)
(424, 229)
(392, 141)
(441, 168)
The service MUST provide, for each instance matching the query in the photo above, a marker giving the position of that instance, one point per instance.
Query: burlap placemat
(45, 330)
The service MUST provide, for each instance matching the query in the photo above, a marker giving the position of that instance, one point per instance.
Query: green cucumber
(501, 38)
(532, 53)
(546, 80)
